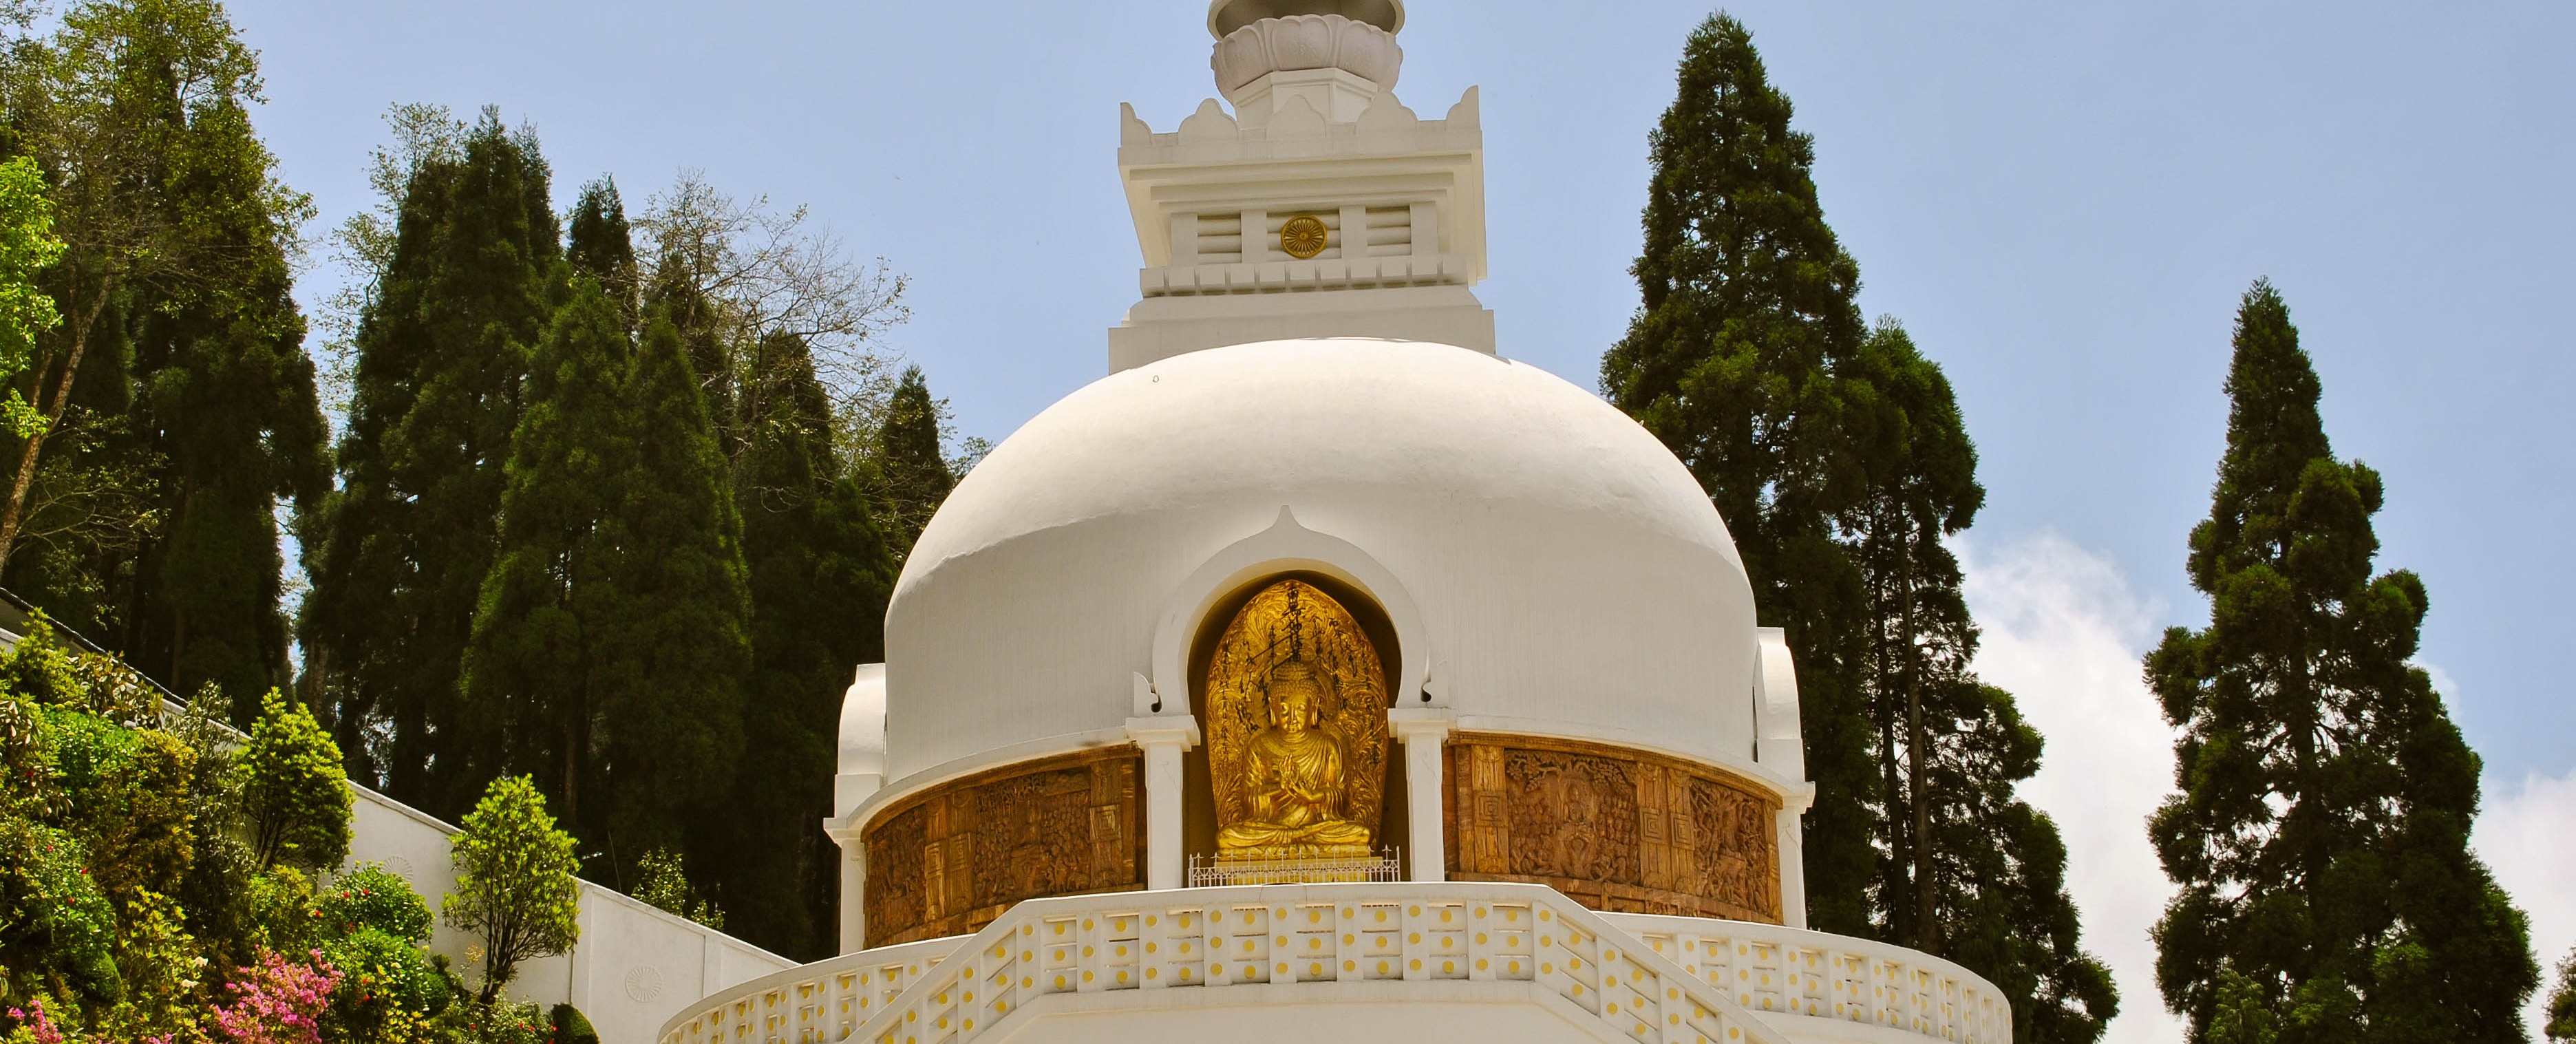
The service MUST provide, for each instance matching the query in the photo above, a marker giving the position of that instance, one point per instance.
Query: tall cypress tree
(678, 647)
(911, 476)
(1748, 312)
(535, 678)
(600, 245)
(820, 575)
(230, 394)
(1965, 870)
(2319, 840)
(399, 552)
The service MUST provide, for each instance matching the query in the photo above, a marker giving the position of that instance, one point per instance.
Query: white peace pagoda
(1320, 674)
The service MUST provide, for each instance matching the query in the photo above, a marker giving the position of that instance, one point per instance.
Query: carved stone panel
(949, 860)
(1616, 829)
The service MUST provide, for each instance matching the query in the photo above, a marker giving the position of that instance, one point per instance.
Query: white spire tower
(1321, 207)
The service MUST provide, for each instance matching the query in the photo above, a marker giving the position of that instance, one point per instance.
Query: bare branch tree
(770, 272)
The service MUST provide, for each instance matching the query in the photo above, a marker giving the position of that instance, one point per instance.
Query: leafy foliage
(567, 1025)
(660, 882)
(2319, 840)
(370, 896)
(27, 247)
(295, 794)
(514, 879)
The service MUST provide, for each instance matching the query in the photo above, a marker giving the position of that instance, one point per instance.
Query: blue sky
(2061, 201)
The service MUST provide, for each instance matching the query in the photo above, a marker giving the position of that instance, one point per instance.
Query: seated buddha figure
(1292, 778)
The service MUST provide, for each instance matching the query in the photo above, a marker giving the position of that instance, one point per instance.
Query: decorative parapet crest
(1295, 43)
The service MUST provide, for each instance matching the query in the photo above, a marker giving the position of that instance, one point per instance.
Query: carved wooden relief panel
(1616, 829)
(950, 860)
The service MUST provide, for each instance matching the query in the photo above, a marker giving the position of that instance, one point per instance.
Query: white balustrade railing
(1215, 938)
(1770, 969)
(814, 1004)
(1664, 980)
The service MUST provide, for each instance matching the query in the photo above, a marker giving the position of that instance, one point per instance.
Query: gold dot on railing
(1417, 964)
(1350, 965)
(1314, 916)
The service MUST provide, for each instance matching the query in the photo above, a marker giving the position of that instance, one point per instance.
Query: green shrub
(282, 917)
(295, 794)
(57, 930)
(568, 1026)
(387, 982)
(128, 794)
(374, 897)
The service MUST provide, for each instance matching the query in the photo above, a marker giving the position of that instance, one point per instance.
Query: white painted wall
(634, 966)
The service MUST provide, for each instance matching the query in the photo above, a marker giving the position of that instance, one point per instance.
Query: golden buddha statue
(1292, 779)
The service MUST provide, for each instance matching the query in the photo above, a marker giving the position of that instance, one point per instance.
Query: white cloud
(2527, 835)
(2065, 634)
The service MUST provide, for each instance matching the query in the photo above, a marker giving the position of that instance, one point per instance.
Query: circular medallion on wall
(643, 983)
(1302, 236)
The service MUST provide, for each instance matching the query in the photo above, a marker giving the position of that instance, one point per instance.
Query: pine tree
(535, 680)
(1965, 870)
(911, 476)
(399, 552)
(2319, 841)
(601, 246)
(229, 393)
(678, 647)
(820, 575)
(1731, 361)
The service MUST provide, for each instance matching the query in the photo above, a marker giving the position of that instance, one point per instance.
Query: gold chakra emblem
(1302, 236)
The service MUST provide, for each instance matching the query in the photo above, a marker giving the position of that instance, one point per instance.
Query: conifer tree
(1748, 312)
(600, 245)
(820, 575)
(1965, 870)
(911, 476)
(399, 552)
(678, 646)
(2561, 1014)
(2319, 840)
(535, 679)
(176, 404)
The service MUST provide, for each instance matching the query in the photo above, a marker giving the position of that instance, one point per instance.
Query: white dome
(1548, 565)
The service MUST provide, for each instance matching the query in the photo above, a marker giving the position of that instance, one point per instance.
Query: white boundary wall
(635, 965)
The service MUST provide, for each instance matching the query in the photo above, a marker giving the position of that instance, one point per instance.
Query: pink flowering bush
(35, 1024)
(278, 1001)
